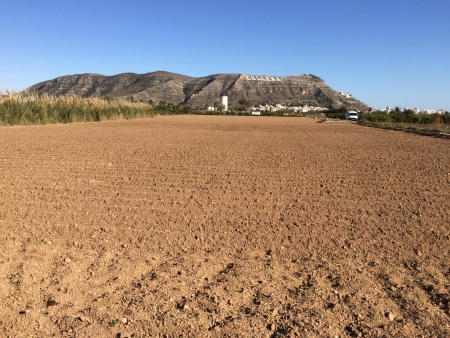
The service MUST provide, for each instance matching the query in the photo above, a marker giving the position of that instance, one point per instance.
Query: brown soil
(223, 226)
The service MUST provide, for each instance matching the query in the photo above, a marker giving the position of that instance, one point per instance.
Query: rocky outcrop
(199, 92)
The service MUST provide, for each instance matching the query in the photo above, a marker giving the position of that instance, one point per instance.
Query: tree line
(396, 116)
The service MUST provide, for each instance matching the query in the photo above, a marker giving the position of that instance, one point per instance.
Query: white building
(224, 102)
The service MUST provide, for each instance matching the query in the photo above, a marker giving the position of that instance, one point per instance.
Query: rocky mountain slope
(198, 92)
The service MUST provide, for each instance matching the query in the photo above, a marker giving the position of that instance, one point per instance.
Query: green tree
(245, 103)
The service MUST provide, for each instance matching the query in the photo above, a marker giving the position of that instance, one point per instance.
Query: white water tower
(224, 102)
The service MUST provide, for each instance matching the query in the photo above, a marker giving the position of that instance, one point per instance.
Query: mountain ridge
(199, 92)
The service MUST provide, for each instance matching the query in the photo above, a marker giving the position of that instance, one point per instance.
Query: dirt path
(223, 226)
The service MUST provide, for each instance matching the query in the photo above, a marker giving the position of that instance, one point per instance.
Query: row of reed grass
(27, 108)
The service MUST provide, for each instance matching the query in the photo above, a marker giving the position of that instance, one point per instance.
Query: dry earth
(223, 226)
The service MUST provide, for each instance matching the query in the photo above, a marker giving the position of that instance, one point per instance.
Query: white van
(351, 115)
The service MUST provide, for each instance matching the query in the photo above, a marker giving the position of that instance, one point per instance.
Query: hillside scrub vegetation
(29, 108)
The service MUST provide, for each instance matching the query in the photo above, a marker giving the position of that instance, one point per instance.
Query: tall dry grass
(26, 108)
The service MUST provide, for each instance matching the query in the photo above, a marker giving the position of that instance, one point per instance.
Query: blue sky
(384, 52)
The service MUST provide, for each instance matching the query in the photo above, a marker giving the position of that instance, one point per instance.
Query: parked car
(351, 115)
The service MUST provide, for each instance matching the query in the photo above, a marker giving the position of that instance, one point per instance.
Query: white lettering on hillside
(263, 78)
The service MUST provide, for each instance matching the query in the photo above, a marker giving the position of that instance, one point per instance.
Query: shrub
(336, 113)
(399, 117)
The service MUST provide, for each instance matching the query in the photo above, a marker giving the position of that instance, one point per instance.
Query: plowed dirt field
(200, 226)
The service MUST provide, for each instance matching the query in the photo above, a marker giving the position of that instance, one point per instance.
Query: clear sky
(384, 52)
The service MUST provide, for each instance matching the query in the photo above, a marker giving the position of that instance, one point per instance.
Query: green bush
(405, 117)
(336, 113)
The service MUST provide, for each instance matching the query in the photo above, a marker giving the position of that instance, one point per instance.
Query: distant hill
(198, 92)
